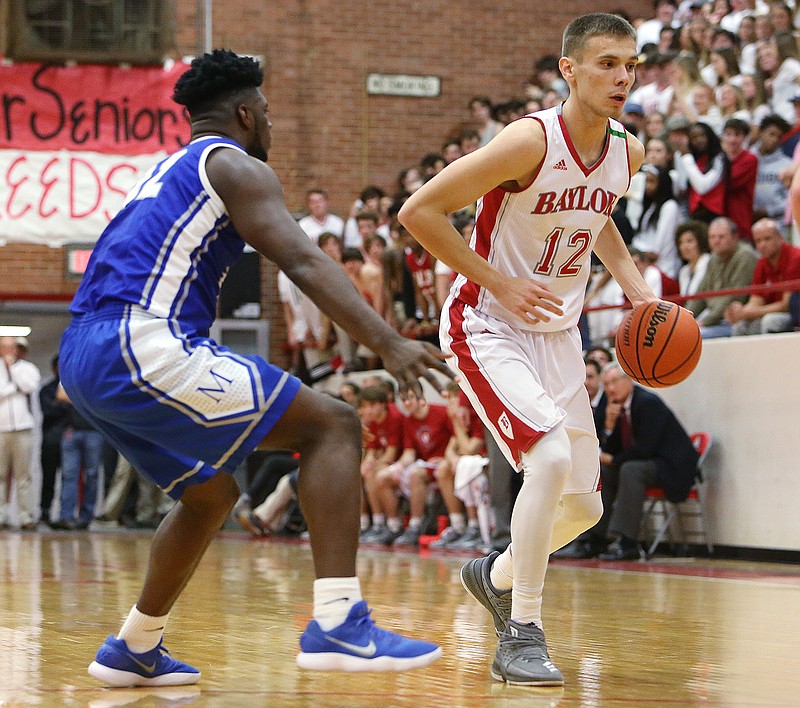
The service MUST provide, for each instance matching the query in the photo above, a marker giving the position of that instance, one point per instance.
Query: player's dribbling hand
(528, 299)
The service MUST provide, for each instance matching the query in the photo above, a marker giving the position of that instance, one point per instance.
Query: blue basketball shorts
(178, 408)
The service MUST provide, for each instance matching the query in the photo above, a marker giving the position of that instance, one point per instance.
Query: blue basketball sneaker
(358, 645)
(116, 665)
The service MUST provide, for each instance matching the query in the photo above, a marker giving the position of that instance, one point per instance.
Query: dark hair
(737, 125)
(728, 55)
(367, 216)
(698, 229)
(317, 190)
(327, 236)
(430, 160)
(372, 239)
(713, 148)
(352, 254)
(214, 76)
(592, 25)
(548, 62)
(594, 364)
(371, 192)
(662, 195)
(373, 394)
(774, 120)
(483, 100)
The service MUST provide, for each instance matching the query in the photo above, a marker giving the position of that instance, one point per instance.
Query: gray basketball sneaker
(522, 659)
(476, 581)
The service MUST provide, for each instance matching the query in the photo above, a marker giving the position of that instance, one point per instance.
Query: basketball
(658, 344)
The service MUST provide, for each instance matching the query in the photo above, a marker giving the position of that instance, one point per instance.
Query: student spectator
(304, 328)
(643, 445)
(771, 193)
(463, 458)
(662, 284)
(426, 431)
(55, 414)
(451, 150)
(649, 31)
(480, 109)
(730, 100)
(740, 186)
(420, 264)
(702, 173)
(686, 84)
(747, 42)
(691, 239)
(780, 17)
(368, 201)
(731, 265)
(319, 219)
(676, 134)
(432, 164)
(656, 231)
(780, 69)
(653, 126)
(723, 66)
(779, 262)
(755, 100)
(81, 450)
(18, 380)
(739, 11)
(653, 92)
(470, 141)
(385, 426)
(372, 277)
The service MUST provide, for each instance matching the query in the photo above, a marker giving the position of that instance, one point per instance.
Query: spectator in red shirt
(384, 440)
(426, 433)
(467, 446)
(779, 262)
(742, 172)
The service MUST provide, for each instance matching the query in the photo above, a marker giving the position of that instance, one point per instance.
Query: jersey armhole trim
(201, 171)
(517, 190)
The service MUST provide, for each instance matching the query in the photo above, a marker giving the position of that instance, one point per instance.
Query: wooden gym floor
(664, 633)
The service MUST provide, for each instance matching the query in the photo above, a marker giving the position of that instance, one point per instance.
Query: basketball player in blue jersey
(546, 187)
(138, 363)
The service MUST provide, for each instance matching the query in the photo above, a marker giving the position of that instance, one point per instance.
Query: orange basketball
(658, 344)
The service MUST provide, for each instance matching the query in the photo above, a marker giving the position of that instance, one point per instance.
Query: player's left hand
(409, 360)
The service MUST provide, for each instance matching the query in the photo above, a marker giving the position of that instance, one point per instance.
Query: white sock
(378, 520)
(395, 524)
(473, 524)
(142, 632)
(364, 522)
(415, 522)
(333, 598)
(457, 522)
(501, 574)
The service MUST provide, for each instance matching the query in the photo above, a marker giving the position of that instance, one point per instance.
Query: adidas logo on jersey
(560, 165)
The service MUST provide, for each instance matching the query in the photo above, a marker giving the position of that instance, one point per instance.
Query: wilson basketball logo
(658, 317)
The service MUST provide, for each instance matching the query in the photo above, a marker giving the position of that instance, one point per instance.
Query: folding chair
(659, 506)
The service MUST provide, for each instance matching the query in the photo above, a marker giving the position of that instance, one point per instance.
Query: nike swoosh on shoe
(367, 651)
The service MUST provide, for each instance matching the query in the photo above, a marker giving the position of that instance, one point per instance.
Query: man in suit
(643, 445)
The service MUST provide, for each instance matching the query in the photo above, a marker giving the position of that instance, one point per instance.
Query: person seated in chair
(643, 445)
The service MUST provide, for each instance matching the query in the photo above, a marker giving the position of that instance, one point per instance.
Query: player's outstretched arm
(511, 159)
(253, 197)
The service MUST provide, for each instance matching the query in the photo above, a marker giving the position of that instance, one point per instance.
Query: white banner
(54, 198)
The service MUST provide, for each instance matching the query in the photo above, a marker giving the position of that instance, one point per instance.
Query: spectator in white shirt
(319, 220)
(18, 380)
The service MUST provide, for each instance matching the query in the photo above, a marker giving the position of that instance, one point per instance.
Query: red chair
(659, 506)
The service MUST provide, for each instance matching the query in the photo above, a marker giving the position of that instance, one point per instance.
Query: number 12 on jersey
(579, 240)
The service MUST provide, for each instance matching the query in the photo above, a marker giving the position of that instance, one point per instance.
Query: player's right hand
(528, 300)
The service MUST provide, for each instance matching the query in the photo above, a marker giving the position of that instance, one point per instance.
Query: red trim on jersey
(523, 435)
(572, 151)
(628, 152)
(541, 164)
(484, 228)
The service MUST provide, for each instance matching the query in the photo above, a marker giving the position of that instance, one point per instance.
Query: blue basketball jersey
(169, 255)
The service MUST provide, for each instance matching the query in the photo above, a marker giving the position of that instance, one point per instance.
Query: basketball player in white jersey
(546, 187)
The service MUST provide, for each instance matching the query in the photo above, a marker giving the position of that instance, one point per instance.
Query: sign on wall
(404, 85)
(74, 140)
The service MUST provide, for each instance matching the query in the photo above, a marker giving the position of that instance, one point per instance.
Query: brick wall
(326, 131)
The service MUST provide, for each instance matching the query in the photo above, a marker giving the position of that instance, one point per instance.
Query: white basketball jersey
(547, 230)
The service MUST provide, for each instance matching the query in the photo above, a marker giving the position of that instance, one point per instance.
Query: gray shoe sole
(473, 582)
(497, 675)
